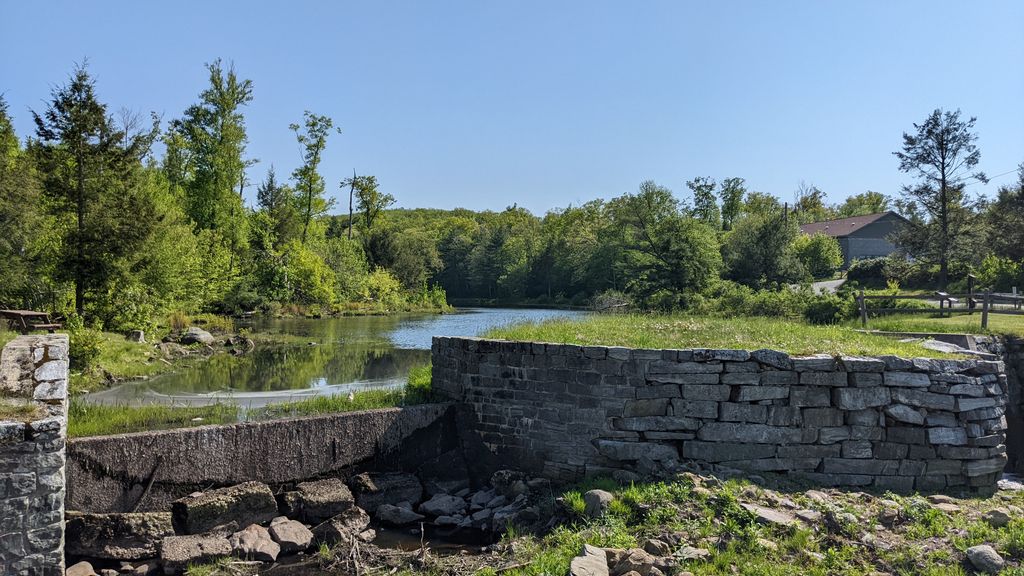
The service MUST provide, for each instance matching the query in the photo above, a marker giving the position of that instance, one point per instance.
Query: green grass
(21, 410)
(641, 331)
(708, 515)
(100, 420)
(6, 334)
(958, 324)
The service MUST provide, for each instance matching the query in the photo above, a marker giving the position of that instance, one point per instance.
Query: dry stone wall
(887, 423)
(33, 391)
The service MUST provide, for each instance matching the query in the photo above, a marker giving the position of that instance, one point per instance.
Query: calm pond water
(338, 355)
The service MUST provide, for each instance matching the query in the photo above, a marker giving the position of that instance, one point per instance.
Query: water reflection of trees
(296, 367)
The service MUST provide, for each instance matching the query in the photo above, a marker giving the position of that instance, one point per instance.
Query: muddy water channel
(328, 356)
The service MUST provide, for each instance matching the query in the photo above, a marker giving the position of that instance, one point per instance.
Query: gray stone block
(857, 449)
(866, 432)
(948, 436)
(944, 467)
(663, 367)
(890, 450)
(619, 450)
(698, 378)
(940, 418)
(695, 408)
(658, 391)
(773, 358)
(656, 435)
(906, 379)
(922, 399)
(757, 393)
(722, 451)
(861, 364)
(975, 468)
(815, 362)
(865, 379)
(967, 404)
(866, 417)
(706, 354)
(745, 367)
(809, 451)
(777, 378)
(810, 396)
(904, 413)
(860, 398)
(822, 417)
(860, 466)
(896, 364)
(963, 452)
(833, 434)
(755, 433)
(741, 378)
(784, 416)
(774, 464)
(897, 484)
(983, 413)
(733, 412)
(646, 407)
(906, 435)
(823, 378)
(912, 467)
(660, 423)
(718, 392)
(826, 480)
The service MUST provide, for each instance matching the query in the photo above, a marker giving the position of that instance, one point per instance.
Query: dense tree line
(99, 226)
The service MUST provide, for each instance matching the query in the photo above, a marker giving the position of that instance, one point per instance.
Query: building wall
(870, 241)
(888, 423)
(34, 372)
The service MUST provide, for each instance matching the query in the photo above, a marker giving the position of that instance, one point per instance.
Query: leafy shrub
(85, 343)
(1000, 274)
(819, 254)
(612, 301)
(869, 272)
(827, 309)
(383, 288)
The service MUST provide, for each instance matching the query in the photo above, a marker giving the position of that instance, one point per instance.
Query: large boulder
(81, 569)
(196, 335)
(373, 489)
(224, 508)
(254, 543)
(314, 502)
(396, 515)
(443, 505)
(292, 536)
(129, 536)
(597, 502)
(344, 527)
(985, 559)
(178, 552)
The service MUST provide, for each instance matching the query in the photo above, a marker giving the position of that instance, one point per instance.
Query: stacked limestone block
(34, 377)
(887, 423)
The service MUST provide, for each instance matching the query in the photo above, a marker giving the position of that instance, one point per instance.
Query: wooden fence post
(862, 304)
(985, 304)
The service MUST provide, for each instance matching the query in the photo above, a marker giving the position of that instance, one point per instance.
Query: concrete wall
(887, 423)
(33, 376)
(111, 473)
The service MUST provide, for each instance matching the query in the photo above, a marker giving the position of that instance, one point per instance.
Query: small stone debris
(997, 517)
(770, 516)
(254, 543)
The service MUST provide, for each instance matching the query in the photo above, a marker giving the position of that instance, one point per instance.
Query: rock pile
(249, 521)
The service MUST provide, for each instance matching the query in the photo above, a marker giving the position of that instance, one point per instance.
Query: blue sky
(483, 104)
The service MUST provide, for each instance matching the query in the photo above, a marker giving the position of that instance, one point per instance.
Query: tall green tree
(1006, 220)
(370, 201)
(942, 154)
(212, 135)
(705, 204)
(863, 204)
(732, 193)
(21, 217)
(312, 136)
(810, 205)
(86, 161)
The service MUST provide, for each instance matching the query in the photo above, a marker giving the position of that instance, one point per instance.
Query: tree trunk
(79, 267)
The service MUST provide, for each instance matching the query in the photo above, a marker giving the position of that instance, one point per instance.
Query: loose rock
(254, 543)
(343, 527)
(590, 562)
(443, 505)
(985, 559)
(373, 489)
(315, 502)
(177, 552)
(292, 536)
(241, 505)
(997, 517)
(129, 536)
(398, 516)
(80, 569)
(597, 502)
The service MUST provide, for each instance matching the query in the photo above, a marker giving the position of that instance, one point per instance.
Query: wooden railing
(984, 303)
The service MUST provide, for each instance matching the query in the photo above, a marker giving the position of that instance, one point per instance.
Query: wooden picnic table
(25, 321)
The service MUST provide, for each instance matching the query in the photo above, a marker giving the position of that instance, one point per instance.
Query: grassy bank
(960, 324)
(854, 533)
(100, 420)
(641, 331)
